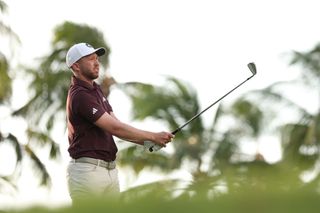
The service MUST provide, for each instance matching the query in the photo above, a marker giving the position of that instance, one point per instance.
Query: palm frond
(39, 167)
(268, 95)
(249, 115)
(227, 145)
(26, 109)
(7, 185)
(6, 30)
(17, 146)
(43, 139)
(174, 103)
(310, 62)
(3, 6)
(5, 86)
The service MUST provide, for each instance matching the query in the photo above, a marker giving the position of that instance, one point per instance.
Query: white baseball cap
(80, 50)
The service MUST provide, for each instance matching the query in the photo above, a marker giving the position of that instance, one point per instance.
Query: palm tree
(300, 139)
(5, 95)
(176, 103)
(173, 105)
(5, 87)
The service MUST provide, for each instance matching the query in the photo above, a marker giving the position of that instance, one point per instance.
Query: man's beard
(90, 75)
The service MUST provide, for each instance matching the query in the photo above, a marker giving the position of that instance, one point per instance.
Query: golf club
(154, 147)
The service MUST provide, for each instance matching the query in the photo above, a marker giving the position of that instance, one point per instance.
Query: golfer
(91, 126)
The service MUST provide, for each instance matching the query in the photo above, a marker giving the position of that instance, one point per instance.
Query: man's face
(89, 66)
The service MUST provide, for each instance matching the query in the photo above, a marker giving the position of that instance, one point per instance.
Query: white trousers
(89, 181)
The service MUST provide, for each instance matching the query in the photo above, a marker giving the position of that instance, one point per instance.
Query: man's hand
(160, 140)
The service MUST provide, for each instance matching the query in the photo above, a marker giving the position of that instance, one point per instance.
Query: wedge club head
(252, 68)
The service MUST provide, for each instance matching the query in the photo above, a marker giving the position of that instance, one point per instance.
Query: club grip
(175, 131)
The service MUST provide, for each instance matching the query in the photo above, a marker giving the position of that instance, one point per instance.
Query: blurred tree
(6, 79)
(249, 117)
(5, 87)
(300, 139)
(176, 103)
(262, 111)
(173, 105)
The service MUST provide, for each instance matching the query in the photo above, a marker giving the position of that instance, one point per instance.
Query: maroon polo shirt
(85, 105)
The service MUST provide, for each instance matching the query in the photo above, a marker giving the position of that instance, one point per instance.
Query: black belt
(108, 165)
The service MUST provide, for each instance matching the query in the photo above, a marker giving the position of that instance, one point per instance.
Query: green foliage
(7, 182)
(263, 189)
(174, 104)
(227, 179)
(294, 203)
(225, 149)
(5, 86)
(4, 28)
(38, 138)
(38, 166)
(69, 33)
(3, 6)
(248, 114)
(177, 102)
(310, 63)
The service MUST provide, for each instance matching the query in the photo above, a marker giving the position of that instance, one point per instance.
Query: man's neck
(89, 81)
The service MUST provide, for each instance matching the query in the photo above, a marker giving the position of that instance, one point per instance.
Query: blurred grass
(245, 187)
(245, 200)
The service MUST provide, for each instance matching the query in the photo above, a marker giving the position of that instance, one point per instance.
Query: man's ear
(75, 67)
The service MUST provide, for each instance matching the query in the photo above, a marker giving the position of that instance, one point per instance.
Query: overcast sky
(206, 43)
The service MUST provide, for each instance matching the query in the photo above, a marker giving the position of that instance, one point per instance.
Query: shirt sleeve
(109, 107)
(88, 106)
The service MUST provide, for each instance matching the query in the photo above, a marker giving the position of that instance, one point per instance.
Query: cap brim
(100, 51)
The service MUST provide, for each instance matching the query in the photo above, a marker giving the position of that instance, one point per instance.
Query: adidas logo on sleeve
(94, 110)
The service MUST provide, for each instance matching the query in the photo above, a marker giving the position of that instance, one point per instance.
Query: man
(91, 125)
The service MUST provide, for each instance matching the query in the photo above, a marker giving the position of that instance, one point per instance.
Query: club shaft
(200, 113)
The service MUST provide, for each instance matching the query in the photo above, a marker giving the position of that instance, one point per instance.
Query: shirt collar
(79, 82)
